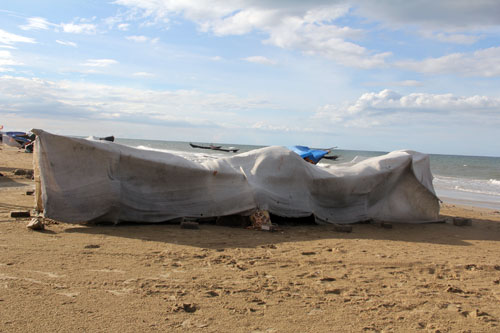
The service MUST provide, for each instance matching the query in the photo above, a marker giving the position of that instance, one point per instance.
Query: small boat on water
(212, 147)
(110, 138)
(204, 147)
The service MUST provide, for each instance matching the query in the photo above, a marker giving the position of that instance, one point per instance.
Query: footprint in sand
(49, 274)
(70, 295)
(107, 270)
(122, 292)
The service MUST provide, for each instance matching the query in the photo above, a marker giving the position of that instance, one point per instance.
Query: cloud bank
(389, 108)
(31, 97)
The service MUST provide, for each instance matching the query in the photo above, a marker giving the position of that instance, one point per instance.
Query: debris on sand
(20, 213)
(36, 224)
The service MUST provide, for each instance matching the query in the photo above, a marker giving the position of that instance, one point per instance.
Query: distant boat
(212, 147)
(204, 147)
(110, 138)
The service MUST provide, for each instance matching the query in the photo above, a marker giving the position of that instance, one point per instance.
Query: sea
(463, 180)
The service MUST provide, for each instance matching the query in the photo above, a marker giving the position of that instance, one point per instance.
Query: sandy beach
(305, 278)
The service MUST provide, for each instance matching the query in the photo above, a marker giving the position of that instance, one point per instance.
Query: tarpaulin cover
(81, 180)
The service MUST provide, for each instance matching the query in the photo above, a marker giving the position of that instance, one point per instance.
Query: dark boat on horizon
(212, 147)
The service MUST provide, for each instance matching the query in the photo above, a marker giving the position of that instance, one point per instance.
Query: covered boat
(16, 139)
(81, 180)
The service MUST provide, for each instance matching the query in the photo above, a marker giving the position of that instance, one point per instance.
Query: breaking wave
(489, 187)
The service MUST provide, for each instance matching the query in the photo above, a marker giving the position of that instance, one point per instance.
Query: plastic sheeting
(315, 155)
(80, 180)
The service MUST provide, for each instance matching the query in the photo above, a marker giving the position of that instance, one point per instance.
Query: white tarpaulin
(81, 180)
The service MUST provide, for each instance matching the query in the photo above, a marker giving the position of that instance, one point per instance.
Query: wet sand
(305, 278)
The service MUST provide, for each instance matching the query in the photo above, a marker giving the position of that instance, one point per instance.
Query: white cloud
(260, 60)
(143, 39)
(485, 62)
(448, 21)
(138, 39)
(79, 28)
(123, 26)
(430, 14)
(314, 27)
(67, 99)
(99, 62)
(40, 23)
(408, 83)
(454, 38)
(265, 126)
(389, 108)
(143, 74)
(306, 27)
(6, 59)
(327, 40)
(36, 23)
(404, 83)
(66, 43)
(9, 38)
(242, 22)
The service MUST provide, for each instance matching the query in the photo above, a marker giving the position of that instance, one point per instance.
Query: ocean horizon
(458, 179)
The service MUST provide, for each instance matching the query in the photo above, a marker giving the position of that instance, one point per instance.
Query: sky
(366, 75)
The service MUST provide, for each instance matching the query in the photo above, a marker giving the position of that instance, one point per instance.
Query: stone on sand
(35, 224)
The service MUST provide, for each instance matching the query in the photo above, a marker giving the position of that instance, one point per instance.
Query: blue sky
(369, 75)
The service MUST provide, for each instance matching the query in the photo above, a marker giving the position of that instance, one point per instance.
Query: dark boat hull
(219, 148)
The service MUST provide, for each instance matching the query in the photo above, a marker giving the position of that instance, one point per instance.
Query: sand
(305, 278)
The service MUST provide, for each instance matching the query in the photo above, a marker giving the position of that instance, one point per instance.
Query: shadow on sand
(217, 237)
(7, 185)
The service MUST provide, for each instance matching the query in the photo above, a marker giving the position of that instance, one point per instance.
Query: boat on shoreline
(212, 147)
(313, 155)
(21, 140)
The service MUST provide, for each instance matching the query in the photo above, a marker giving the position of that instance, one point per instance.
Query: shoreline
(470, 203)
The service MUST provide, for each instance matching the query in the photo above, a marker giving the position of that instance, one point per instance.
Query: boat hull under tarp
(81, 180)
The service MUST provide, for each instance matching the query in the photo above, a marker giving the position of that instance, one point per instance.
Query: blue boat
(312, 155)
(17, 139)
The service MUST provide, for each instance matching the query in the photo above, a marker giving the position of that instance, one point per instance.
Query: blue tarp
(314, 155)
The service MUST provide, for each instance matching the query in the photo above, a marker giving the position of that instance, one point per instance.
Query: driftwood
(20, 213)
